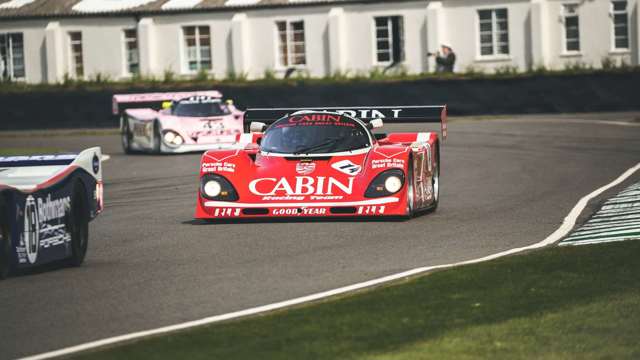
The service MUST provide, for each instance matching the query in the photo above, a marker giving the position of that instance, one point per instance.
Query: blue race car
(46, 203)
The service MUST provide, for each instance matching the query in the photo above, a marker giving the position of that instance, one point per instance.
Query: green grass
(29, 151)
(560, 303)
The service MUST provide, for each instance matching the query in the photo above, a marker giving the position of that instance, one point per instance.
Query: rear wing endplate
(390, 114)
(151, 99)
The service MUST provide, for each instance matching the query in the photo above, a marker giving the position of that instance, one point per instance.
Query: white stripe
(616, 213)
(597, 241)
(611, 218)
(620, 207)
(602, 234)
(608, 225)
(225, 204)
(568, 224)
(604, 230)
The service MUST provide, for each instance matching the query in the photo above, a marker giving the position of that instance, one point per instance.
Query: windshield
(315, 134)
(191, 108)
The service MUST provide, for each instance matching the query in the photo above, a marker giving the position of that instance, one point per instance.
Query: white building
(48, 40)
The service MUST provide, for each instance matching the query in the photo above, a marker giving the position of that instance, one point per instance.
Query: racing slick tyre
(410, 191)
(5, 243)
(126, 136)
(79, 225)
(157, 138)
(435, 185)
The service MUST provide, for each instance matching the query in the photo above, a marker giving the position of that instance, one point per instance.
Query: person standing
(445, 60)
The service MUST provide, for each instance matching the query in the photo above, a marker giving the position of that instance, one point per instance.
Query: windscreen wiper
(328, 142)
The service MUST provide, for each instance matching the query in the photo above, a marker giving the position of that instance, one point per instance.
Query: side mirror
(375, 124)
(257, 127)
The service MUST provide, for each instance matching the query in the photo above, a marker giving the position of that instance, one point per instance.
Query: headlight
(172, 138)
(212, 188)
(393, 184)
(386, 183)
(217, 187)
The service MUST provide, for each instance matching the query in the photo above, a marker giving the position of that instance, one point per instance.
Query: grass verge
(572, 302)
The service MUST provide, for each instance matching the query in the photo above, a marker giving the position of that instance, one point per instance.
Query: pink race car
(186, 122)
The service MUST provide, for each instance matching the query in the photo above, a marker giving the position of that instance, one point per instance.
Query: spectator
(445, 61)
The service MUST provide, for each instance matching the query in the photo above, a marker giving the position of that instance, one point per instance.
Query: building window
(77, 66)
(198, 44)
(291, 43)
(620, 16)
(131, 51)
(571, 27)
(389, 39)
(494, 32)
(12, 56)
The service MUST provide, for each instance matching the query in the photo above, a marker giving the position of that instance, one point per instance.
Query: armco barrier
(60, 108)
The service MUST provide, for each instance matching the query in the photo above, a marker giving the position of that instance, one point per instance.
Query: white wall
(34, 47)
(535, 38)
(596, 34)
(462, 33)
(102, 45)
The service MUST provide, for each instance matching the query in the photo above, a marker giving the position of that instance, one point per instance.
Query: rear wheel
(79, 225)
(5, 243)
(126, 135)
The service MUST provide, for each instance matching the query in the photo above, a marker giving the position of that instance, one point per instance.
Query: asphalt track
(506, 183)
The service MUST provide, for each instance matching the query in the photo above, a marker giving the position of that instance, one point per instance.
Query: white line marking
(608, 225)
(633, 232)
(568, 224)
(606, 228)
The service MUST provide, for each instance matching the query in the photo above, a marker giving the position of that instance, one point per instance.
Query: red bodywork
(276, 186)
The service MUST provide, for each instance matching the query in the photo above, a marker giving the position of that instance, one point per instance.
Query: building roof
(21, 9)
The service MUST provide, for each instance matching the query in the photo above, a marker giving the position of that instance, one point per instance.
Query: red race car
(322, 162)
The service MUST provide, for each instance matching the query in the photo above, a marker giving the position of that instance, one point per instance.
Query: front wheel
(410, 191)
(157, 138)
(5, 242)
(79, 225)
(126, 136)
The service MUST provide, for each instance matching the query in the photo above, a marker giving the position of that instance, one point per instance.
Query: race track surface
(505, 183)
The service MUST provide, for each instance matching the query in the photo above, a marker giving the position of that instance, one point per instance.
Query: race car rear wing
(390, 114)
(122, 101)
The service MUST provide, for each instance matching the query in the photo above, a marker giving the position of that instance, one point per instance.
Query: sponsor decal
(95, 162)
(302, 185)
(299, 211)
(199, 99)
(305, 167)
(37, 158)
(219, 167)
(142, 129)
(371, 210)
(369, 113)
(41, 217)
(31, 230)
(347, 167)
(387, 163)
(316, 120)
(226, 212)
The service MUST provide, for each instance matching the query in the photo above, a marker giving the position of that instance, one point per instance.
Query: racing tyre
(157, 138)
(435, 185)
(126, 136)
(79, 225)
(410, 191)
(5, 243)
